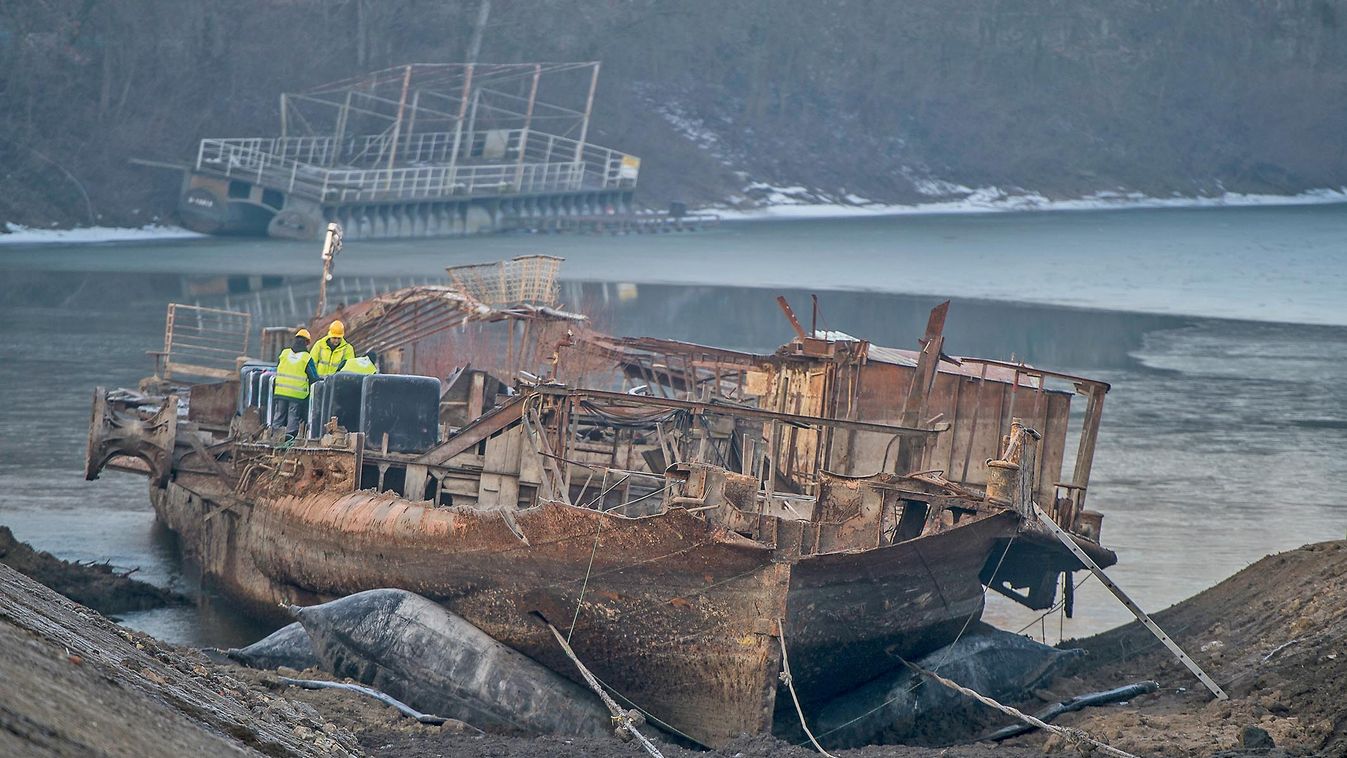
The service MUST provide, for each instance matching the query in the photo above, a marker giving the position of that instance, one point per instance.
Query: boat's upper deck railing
(425, 166)
(202, 342)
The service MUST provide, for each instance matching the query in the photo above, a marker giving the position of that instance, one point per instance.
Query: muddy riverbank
(1274, 636)
(76, 684)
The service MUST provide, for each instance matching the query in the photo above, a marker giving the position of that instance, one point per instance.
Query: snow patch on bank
(795, 202)
(15, 234)
(770, 200)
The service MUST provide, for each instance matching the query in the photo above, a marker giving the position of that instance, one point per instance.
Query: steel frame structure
(427, 131)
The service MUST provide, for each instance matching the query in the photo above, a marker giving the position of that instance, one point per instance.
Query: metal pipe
(411, 123)
(528, 123)
(397, 125)
(458, 125)
(589, 108)
(472, 119)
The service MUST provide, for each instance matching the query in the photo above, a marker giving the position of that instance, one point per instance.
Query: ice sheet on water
(789, 202)
(22, 235)
(1261, 352)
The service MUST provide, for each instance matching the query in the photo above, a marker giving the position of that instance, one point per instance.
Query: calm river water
(1223, 332)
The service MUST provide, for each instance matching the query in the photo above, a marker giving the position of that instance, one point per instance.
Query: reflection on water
(1277, 264)
(1222, 440)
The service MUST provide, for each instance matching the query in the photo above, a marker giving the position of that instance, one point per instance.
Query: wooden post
(343, 116)
(790, 316)
(911, 451)
(774, 430)
(331, 246)
(476, 396)
(1089, 434)
(478, 31)
(472, 123)
(411, 124)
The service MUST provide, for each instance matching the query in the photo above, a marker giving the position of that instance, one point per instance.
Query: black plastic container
(249, 374)
(317, 393)
(406, 408)
(266, 385)
(247, 384)
(343, 399)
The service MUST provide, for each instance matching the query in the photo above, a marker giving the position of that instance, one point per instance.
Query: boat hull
(677, 616)
(852, 615)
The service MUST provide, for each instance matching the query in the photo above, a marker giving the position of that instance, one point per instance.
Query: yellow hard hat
(302, 332)
(336, 329)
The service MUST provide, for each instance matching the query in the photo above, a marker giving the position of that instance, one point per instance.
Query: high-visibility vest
(361, 365)
(327, 358)
(292, 379)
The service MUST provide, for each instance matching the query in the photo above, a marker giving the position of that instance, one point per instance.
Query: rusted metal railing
(202, 342)
(520, 162)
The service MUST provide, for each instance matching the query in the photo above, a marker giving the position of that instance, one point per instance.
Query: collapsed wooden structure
(676, 507)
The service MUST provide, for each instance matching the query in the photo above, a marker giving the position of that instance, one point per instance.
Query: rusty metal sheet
(850, 613)
(213, 403)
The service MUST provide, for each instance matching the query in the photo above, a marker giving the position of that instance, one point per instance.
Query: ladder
(1145, 620)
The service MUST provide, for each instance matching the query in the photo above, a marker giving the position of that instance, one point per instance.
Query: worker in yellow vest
(364, 364)
(333, 351)
(295, 371)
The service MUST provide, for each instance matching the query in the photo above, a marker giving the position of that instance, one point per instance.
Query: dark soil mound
(1274, 636)
(93, 584)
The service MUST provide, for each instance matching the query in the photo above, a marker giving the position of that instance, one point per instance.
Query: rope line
(1057, 606)
(580, 601)
(623, 719)
(599, 497)
(790, 685)
(648, 715)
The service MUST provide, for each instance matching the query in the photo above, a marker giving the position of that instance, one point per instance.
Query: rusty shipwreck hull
(677, 615)
(849, 614)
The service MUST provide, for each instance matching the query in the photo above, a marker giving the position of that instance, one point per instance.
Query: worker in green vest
(295, 371)
(364, 364)
(333, 351)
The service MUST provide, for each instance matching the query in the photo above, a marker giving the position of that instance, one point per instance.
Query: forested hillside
(874, 98)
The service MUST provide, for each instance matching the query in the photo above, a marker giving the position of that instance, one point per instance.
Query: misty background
(889, 101)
